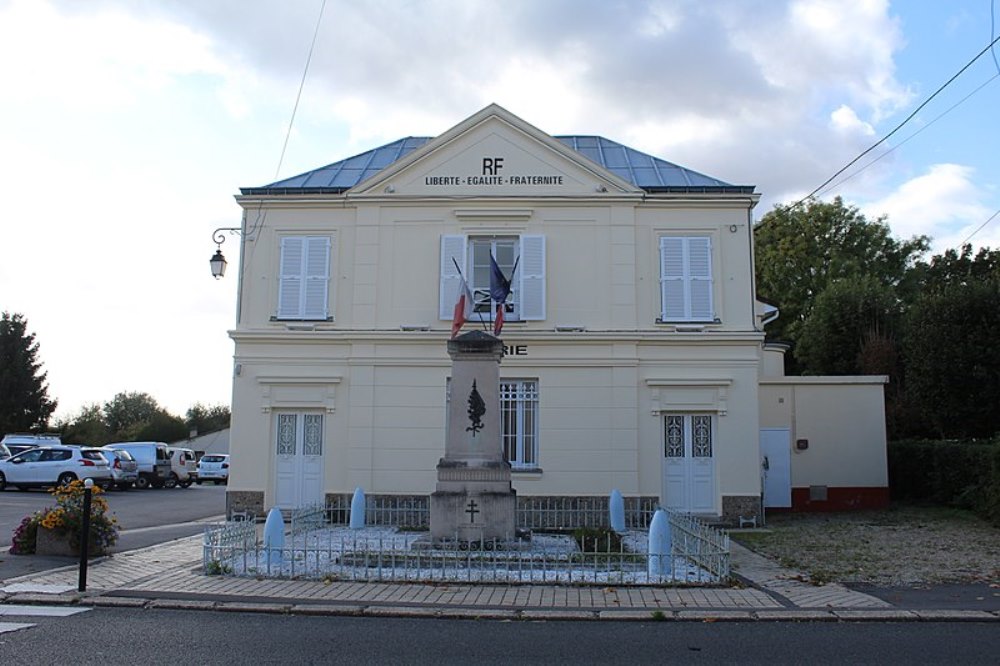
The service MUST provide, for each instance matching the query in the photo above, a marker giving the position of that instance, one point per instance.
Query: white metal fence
(320, 546)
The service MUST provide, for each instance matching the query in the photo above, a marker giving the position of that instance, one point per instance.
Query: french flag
(499, 290)
(463, 306)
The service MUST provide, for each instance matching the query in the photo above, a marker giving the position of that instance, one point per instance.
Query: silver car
(124, 468)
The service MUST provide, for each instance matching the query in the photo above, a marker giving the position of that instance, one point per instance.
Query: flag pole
(461, 275)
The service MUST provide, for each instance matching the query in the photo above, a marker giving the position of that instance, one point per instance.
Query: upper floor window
(470, 255)
(304, 278)
(686, 279)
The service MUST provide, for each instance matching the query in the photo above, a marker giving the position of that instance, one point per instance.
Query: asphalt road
(185, 637)
(146, 517)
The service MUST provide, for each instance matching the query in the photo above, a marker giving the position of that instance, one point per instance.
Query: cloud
(943, 203)
(739, 90)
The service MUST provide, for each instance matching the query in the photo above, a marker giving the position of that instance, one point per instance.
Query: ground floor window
(519, 422)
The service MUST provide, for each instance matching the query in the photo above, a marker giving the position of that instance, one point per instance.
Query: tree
(851, 321)
(128, 412)
(801, 249)
(952, 268)
(24, 400)
(953, 361)
(160, 427)
(87, 427)
(202, 418)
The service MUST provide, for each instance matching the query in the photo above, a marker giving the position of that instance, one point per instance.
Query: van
(17, 442)
(183, 466)
(153, 461)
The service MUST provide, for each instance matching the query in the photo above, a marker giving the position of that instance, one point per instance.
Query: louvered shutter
(317, 278)
(304, 277)
(290, 277)
(686, 279)
(700, 279)
(532, 270)
(452, 252)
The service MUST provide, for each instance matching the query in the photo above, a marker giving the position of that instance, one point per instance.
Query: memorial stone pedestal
(473, 501)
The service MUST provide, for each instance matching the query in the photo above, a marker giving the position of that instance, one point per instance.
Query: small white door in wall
(689, 463)
(298, 459)
(776, 461)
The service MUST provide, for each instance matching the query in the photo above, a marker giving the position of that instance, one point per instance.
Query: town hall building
(634, 354)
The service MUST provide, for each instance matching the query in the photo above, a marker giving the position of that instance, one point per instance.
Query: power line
(302, 84)
(993, 52)
(980, 228)
(912, 136)
(900, 125)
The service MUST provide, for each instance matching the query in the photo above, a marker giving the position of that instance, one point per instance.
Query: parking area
(134, 509)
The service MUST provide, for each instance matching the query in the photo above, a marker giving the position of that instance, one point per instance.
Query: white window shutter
(317, 278)
(452, 251)
(290, 277)
(304, 277)
(672, 280)
(532, 270)
(686, 278)
(700, 278)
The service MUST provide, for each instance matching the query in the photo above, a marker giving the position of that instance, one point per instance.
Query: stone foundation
(245, 501)
(736, 506)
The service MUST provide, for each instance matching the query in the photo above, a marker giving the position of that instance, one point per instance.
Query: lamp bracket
(219, 237)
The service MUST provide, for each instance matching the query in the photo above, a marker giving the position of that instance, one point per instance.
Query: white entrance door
(776, 461)
(298, 459)
(689, 463)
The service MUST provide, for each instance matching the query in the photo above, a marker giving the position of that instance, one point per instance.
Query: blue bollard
(274, 537)
(616, 506)
(358, 509)
(659, 545)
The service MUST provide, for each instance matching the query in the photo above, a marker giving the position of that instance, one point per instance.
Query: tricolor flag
(463, 306)
(499, 290)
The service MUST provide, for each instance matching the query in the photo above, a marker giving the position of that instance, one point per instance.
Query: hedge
(959, 473)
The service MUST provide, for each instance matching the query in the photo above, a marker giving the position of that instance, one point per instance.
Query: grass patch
(903, 544)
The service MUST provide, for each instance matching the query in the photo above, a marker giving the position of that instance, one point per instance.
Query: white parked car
(214, 467)
(46, 466)
(183, 467)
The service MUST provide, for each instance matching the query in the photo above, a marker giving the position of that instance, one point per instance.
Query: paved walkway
(169, 576)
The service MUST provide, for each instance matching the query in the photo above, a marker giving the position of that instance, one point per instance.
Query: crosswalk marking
(6, 627)
(40, 611)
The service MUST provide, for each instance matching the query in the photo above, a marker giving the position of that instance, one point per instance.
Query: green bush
(959, 473)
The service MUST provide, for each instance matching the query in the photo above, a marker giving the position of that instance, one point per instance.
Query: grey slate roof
(644, 171)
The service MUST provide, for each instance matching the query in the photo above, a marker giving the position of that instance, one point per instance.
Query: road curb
(648, 614)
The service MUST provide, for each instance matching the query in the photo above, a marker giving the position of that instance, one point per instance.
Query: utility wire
(978, 229)
(288, 133)
(900, 125)
(302, 84)
(993, 51)
(912, 136)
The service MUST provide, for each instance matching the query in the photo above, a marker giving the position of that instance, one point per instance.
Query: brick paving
(169, 576)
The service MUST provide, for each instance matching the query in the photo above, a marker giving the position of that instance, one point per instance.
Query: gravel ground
(899, 546)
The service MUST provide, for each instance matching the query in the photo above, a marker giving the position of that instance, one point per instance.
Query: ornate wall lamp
(218, 261)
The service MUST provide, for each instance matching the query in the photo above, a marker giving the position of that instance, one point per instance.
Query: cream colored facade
(369, 373)
(836, 429)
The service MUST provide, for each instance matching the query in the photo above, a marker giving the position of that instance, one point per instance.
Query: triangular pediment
(494, 153)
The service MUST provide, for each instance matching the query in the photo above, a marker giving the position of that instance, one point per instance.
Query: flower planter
(57, 542)
(53, 542)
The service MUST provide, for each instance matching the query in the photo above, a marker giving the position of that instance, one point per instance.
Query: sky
(127, 127)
